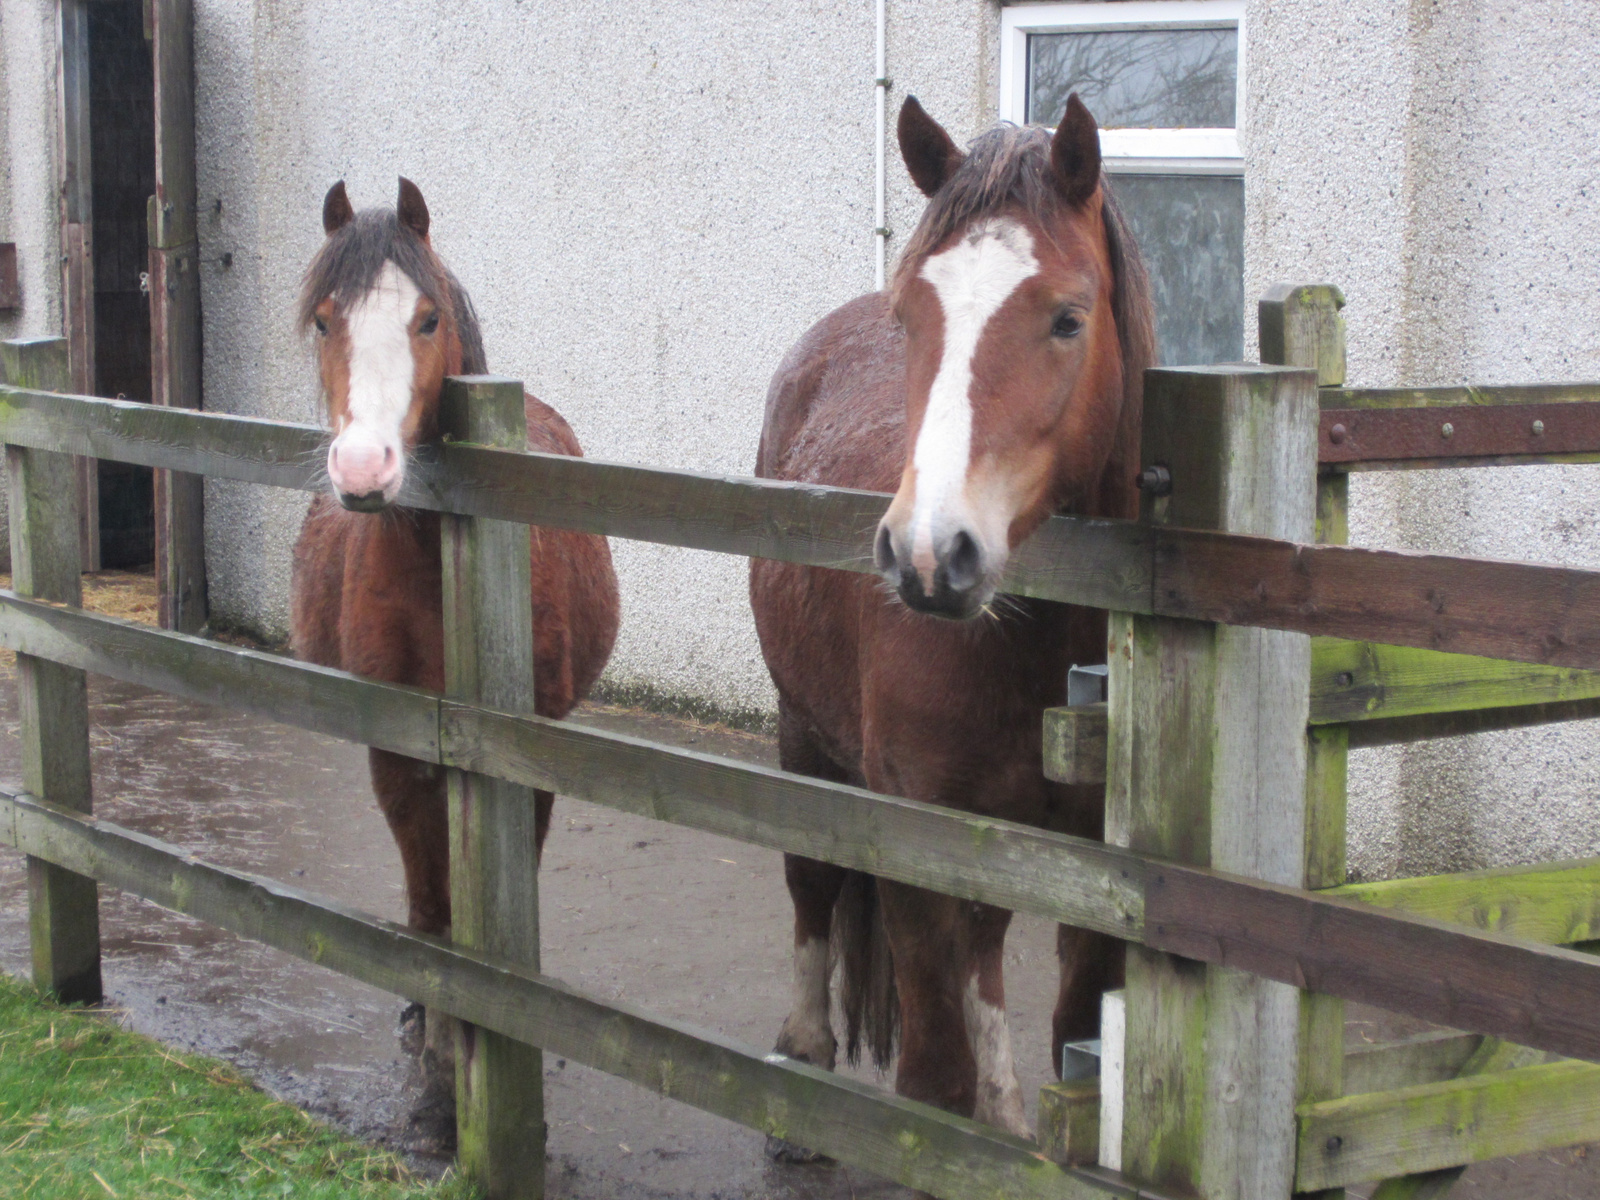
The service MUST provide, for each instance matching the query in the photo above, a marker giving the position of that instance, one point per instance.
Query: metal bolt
(1336, 435)
(1335, 1144)
(1447, 430)
(1538, 429)
(1156, 480)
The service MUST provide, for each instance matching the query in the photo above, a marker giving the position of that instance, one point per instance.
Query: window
(1165, 80)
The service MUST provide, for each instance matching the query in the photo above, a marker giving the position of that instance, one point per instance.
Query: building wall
(1439, 162)
(648, 205)
(28, 212)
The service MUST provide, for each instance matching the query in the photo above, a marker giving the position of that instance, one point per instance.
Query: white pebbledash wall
(649, 204)
(1441, 162)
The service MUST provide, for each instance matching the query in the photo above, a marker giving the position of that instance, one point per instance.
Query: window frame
(1130, 151)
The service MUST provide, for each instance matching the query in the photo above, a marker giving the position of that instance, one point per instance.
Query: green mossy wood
(52, 699)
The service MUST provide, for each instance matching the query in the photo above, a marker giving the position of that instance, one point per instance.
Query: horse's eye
(431, 324)
(1067, 325)
(322, 326)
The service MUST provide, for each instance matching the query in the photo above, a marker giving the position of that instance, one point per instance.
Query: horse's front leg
(807, 1032)
(411, 795)
(999, 1094)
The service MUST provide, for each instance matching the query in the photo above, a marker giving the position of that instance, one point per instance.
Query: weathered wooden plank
(1466, 606)
(1357, 438)
(1375, 695)
(1069, 1122)
(1554, 903)
(75, 189)
(405, 720)
(1075, 744)
(1014, 866)
(853, 1122)
(276, 453)
(1437, 1125)
(1214, 774)
(1532, 995)
(1366, 681)
(1504, 610)
(1302, 327)
(1067, 879)
(1310, 940)
(494, 882)
(52, 699)
(175, 310)
(1491, 1057)
(1450, 397)
(1298, 325)
(1430, 1057)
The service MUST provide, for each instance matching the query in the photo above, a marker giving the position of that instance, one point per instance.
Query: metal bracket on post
(52, 700)
(1206, 765)
(494, 883)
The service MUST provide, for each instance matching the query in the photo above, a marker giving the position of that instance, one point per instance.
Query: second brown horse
(998, 382)
(390, 323)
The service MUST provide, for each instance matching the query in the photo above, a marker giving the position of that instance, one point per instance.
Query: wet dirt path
(692, 926)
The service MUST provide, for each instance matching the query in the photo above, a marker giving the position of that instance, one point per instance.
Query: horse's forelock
(1008, 167)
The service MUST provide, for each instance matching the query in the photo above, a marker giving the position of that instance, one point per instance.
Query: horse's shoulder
(548, 430)
(839, 374)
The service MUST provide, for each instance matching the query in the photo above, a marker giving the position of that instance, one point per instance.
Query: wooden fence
(1223, 755)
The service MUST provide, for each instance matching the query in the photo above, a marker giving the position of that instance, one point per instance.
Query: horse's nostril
(964, 564)
(883, 550)
(388, 455)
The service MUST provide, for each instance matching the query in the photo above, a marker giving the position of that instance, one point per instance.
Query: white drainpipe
(880, 232)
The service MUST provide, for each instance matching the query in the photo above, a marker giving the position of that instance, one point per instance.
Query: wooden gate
(1223, 750)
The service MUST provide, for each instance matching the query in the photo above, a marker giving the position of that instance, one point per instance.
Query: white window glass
(1163, 78)
(1136, 78)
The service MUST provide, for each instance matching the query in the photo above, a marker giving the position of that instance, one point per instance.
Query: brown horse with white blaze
(998, 382)
(390, 323)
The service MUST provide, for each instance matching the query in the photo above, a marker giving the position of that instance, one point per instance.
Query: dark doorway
(122, 166)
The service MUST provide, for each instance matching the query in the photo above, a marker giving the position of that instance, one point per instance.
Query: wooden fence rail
(1536, 995)
(914, 1143)
(1516, 611)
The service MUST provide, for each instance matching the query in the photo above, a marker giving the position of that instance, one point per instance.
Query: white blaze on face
(367, 454)
(972, 280)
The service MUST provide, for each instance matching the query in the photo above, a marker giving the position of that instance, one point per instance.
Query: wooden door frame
(175, 328)
(75, 179)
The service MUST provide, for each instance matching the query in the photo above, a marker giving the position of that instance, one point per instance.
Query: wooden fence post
(1206, 764)
(1300, 326)
(494, 883)
(52, 700)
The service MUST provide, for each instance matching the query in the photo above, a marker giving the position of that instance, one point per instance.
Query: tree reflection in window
(1137, 79)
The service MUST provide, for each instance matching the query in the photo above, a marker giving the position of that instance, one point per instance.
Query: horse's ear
(336, 210)
(930, 155)
(1075, 153)
(412, 209)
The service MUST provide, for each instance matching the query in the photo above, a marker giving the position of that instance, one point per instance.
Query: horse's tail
(867, 993)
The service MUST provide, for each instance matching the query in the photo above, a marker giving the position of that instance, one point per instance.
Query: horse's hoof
(782, 1151)
(412, 1029)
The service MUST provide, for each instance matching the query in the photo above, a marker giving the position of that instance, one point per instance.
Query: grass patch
(89, 1110)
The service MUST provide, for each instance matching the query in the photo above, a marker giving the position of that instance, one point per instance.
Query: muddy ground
(690, 925)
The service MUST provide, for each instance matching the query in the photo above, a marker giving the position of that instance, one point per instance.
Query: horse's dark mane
(1009, 167)
(349, 262)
